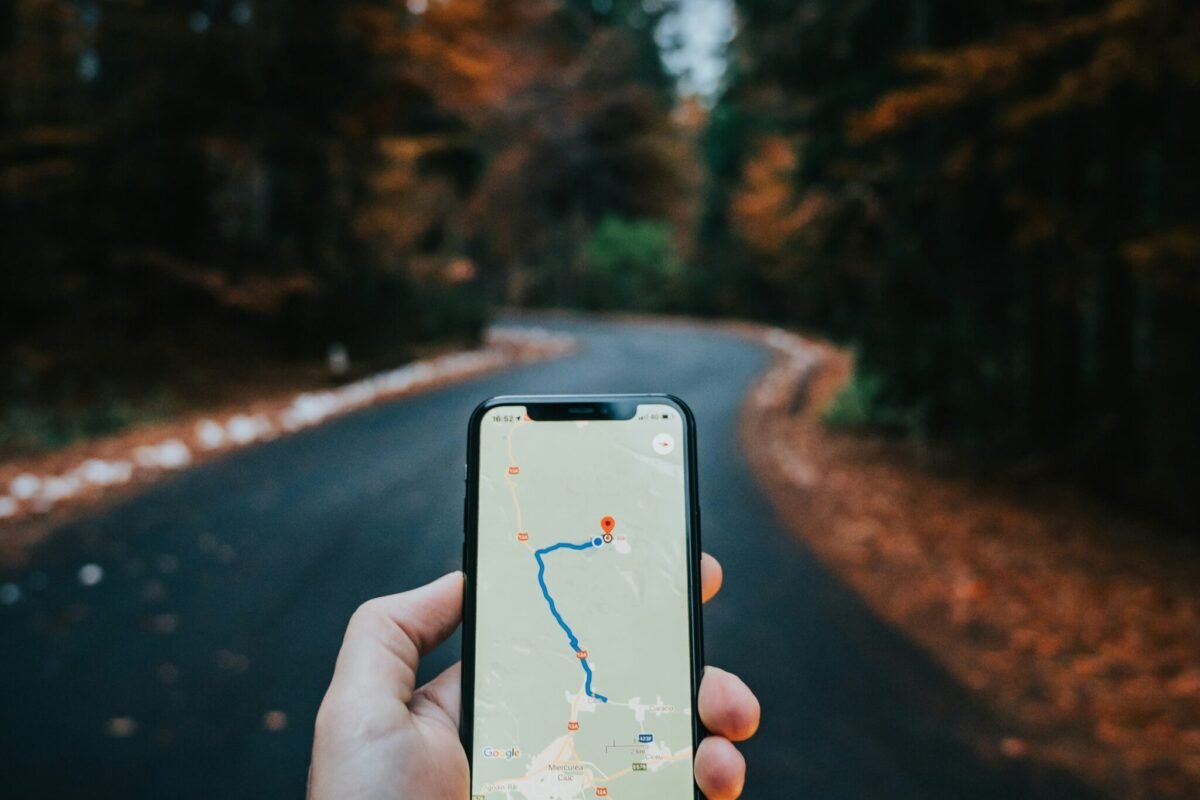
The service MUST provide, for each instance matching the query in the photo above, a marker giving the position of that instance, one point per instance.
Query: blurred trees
(587, 138)
(187, 181)
(994, 202)
(190, 191)
(631, 265)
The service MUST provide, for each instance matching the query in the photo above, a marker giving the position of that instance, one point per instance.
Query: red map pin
(608, 523)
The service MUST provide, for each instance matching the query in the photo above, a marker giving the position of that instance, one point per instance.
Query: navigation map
(583, 670)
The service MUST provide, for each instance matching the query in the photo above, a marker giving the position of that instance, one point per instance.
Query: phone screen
(583, 651)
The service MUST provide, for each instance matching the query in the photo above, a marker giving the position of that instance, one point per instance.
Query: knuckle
(369, 612)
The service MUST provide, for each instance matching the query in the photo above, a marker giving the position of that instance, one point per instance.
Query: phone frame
(593, 407)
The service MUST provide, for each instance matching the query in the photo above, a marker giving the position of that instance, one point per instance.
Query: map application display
(583, 661)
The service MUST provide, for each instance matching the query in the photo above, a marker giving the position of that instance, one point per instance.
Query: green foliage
(631, 264)
(865, 403)
(855, 404)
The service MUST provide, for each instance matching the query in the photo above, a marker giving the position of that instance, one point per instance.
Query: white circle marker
(664, 443)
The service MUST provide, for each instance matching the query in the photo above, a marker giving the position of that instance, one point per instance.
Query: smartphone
(582, 643)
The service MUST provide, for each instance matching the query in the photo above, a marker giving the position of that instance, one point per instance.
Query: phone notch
(585, 410)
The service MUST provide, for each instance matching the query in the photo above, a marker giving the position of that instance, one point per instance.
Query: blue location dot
(597, 542)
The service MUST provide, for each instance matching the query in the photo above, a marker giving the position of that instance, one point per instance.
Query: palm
(437, 760)
(409, 751)
(378, 736)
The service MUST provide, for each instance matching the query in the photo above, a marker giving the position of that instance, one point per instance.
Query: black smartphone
(582, 643)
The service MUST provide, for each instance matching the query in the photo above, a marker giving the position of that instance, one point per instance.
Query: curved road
(226, 590)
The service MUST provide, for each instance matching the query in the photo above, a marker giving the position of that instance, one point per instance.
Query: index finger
(711, 576)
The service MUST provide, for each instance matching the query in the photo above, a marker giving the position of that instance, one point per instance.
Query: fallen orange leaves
(1079, 630)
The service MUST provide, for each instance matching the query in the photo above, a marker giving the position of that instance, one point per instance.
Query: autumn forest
(929, 271)
(993, 204)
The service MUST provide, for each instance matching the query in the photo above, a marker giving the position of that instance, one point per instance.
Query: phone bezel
(601, 407)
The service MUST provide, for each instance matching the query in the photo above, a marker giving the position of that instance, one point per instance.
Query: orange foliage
(1079, 629)
(1135, 42)
(585, 119)
(1168, 258)
(406, 203)
(468, 53)
(766, 211)
(1041, 221)
(898, 109)
(472, 57)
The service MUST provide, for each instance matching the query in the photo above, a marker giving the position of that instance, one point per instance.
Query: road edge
(34, 502)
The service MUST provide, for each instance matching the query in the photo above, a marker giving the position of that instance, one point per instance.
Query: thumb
(387, 636)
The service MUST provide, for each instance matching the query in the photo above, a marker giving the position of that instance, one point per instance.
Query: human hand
(379, 736)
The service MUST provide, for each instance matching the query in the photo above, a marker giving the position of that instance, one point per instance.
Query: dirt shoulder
(1080, 631)
(40, 492)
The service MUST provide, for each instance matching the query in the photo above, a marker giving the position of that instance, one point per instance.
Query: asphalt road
(226, 589)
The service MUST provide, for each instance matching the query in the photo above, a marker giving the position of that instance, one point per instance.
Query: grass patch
(855, 406)
(28, 429)
(863, 404)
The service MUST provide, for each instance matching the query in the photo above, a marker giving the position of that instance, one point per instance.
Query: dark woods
(195, 182)
(996, 203)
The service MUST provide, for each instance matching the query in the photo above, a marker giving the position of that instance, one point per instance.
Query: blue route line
(574, 641)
